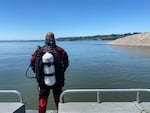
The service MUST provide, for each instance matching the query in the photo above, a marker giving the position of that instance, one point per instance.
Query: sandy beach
(142, 39)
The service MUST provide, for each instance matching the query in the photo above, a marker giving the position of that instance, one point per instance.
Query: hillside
(96, 37)
(142, 39)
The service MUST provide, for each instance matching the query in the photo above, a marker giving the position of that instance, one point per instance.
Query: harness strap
(52, 74)
(49, 64)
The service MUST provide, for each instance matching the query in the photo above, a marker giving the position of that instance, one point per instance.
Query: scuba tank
(48, 69)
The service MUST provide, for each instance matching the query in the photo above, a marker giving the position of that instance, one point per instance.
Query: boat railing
(13, 92)
(98, 91)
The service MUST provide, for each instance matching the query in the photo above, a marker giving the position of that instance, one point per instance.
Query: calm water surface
(93, 64)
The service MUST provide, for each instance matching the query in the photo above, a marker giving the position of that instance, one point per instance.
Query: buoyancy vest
(48, 66)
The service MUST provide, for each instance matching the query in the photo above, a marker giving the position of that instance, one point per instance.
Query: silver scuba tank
(49, 69)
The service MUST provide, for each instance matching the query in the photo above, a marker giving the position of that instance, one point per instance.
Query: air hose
(29, 76)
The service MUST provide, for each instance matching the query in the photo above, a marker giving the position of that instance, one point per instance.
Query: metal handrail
(103, 90)
(14, 92)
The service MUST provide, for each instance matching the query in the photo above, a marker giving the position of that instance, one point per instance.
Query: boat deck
(136, 106)
(104, 107)
(36, 111)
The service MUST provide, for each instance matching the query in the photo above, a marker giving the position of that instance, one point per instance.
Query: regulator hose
(27, 73)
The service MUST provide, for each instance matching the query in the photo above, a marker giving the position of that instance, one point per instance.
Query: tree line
(96, 37)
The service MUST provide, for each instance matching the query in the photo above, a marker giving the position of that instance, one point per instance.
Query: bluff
(142, 39)
(96, 37)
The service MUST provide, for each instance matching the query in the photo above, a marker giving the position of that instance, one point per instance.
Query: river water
(93, 64)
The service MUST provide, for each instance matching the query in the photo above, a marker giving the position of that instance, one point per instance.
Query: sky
(31, 19)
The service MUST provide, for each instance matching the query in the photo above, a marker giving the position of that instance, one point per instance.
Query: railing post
(98, 97)
(137, 96)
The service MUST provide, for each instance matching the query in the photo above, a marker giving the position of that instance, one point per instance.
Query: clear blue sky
(31, 19)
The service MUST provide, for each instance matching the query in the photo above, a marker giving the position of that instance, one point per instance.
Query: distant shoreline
(80, 38)
(96, 37)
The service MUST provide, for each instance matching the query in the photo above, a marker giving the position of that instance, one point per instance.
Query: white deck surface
(12, 107)
(104, 107)
(36, 111)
